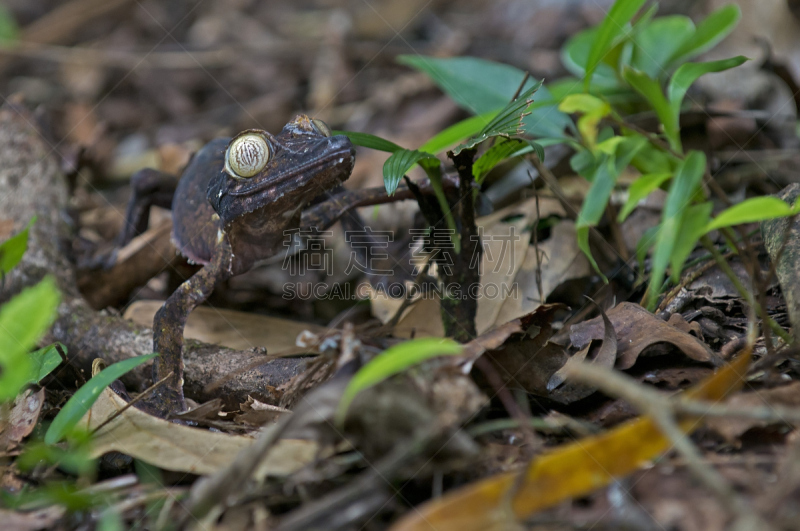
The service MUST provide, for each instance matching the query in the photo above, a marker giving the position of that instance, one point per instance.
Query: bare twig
(662, 411)
(539, 287)
(210, 491)
(132, 402)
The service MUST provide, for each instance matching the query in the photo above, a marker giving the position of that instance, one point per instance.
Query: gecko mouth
(330, 160)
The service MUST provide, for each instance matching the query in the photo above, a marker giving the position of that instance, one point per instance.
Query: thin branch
(132, 402)
(662, 412)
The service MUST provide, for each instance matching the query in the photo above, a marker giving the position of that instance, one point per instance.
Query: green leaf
(612, 26)
(709, 32)
(668, 233)
(23, 320)
(391, 361)
(684, 185)
(686, 182)
(569, 85)
(507, 123)
(628, 149)
(584, 163)
(12, 250)
(657, 43)
(639, 189)
(398, 164)
(651, 90)
(369, 141)
(74, 458)
(9, 30)
(458, 132)
(538, 148)
(693, 224)
(482, 86)
(495, 154)
(582, 235)
(688, 73)
(750, 211)
(44, 361)
(644, 244)
(81, 402)
(477, 85)
(433, 168)
(574, 56)
(603, 181)
(110, 520)
(605, 176)
(609, 146)
(652, 159)
(593, 110)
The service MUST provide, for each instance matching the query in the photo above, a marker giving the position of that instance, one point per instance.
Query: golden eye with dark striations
(247, 155)
(322, 127)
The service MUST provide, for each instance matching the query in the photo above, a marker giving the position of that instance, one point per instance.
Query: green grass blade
(692, 228)
(391, 361)
(369, 141)
(458, 132)
(83, 399)
(684, 185)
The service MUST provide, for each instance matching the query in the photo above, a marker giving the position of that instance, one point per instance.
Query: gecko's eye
(322, 127)
(247, 155)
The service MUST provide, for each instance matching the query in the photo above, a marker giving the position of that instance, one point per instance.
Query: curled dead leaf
(638, 329)
(606, 356)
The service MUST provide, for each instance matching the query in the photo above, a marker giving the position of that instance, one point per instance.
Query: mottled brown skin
(227, 224)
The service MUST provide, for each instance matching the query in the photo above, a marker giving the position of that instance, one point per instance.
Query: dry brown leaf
(229, 328)
(529, 361)
(21, 420)
(606, 356)
(636, 330)
(506, 248)
(257, 413)
(733, 428)
(175, 447)
(678, 321)
(560, 260)
(46, 518)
